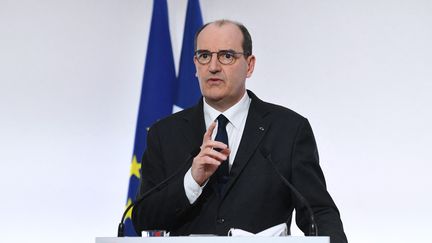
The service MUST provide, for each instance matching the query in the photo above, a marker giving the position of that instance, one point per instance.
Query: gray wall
(70, 78)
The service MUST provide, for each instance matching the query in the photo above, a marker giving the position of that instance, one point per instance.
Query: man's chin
(213, 98)
(215, 94)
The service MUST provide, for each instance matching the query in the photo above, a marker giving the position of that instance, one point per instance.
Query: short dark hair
(247, 39)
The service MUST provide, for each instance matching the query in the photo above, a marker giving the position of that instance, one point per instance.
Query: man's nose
(214, 65)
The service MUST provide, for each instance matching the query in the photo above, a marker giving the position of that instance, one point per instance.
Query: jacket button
(220, 220)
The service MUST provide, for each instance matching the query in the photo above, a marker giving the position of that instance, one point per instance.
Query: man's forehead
(228, 35)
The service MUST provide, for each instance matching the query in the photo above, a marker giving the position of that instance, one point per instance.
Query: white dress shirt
(236, 116)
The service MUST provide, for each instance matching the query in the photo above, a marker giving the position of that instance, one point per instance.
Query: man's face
(223, 85)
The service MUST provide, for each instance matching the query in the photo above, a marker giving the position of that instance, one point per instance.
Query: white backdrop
(70, 78)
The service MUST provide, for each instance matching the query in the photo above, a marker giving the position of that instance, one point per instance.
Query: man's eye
(228, 55)
(204, 55)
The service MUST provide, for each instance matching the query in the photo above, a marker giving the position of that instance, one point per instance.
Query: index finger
(209, 132)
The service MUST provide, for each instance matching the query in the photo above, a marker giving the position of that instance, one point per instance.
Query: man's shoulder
(282, 110)
(176, 118)
(277, 112)
(285, 117)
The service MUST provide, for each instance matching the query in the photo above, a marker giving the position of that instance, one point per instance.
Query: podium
(216, 239)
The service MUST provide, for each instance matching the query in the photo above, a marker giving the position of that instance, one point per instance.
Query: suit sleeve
(161, 210)
(308, 178)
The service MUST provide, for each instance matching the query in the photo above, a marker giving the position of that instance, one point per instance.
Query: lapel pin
(261, 128)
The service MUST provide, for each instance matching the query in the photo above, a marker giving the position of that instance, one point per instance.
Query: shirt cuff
(193, 190)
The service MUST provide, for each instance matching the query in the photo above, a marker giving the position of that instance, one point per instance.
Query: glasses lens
(225, 57)
(204, 57)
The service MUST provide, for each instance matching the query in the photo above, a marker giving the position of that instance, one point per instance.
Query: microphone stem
(313, 229)
(120, 230)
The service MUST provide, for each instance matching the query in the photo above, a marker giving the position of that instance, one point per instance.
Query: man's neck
(223, 104)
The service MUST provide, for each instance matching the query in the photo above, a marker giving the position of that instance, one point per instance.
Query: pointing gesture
(208, 160)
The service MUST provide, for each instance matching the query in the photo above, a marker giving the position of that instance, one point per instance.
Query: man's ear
(251, 65)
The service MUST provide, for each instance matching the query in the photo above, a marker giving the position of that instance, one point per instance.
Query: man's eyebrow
(229, 50)
(204, 50)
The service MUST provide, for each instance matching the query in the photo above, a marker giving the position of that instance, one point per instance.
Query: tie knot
(222, 120)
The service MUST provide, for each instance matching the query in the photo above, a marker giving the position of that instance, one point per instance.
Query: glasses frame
(219, 54)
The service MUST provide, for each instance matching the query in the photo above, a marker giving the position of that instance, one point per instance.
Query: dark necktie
(222, 173)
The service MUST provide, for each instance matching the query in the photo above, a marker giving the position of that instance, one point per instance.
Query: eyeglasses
(225, 57)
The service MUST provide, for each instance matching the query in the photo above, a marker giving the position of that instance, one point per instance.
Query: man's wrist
(192, 188)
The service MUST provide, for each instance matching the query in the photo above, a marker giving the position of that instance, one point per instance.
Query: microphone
(162, 184)
(313, 228)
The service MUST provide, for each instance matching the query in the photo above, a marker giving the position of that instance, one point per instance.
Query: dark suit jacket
(255, 197)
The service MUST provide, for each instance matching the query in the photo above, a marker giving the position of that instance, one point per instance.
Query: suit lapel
(194, 125)
(255, 128)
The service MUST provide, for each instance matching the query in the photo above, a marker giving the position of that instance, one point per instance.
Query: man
(232, 182)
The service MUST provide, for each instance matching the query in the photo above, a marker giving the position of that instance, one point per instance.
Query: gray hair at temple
(247, 39)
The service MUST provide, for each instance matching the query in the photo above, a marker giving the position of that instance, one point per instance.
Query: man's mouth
(211, 80)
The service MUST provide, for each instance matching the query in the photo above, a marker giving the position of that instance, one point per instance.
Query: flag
(161, 92)
(157, 94)
(188, 91)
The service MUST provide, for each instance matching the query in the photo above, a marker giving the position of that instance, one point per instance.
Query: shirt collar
(234, 114)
